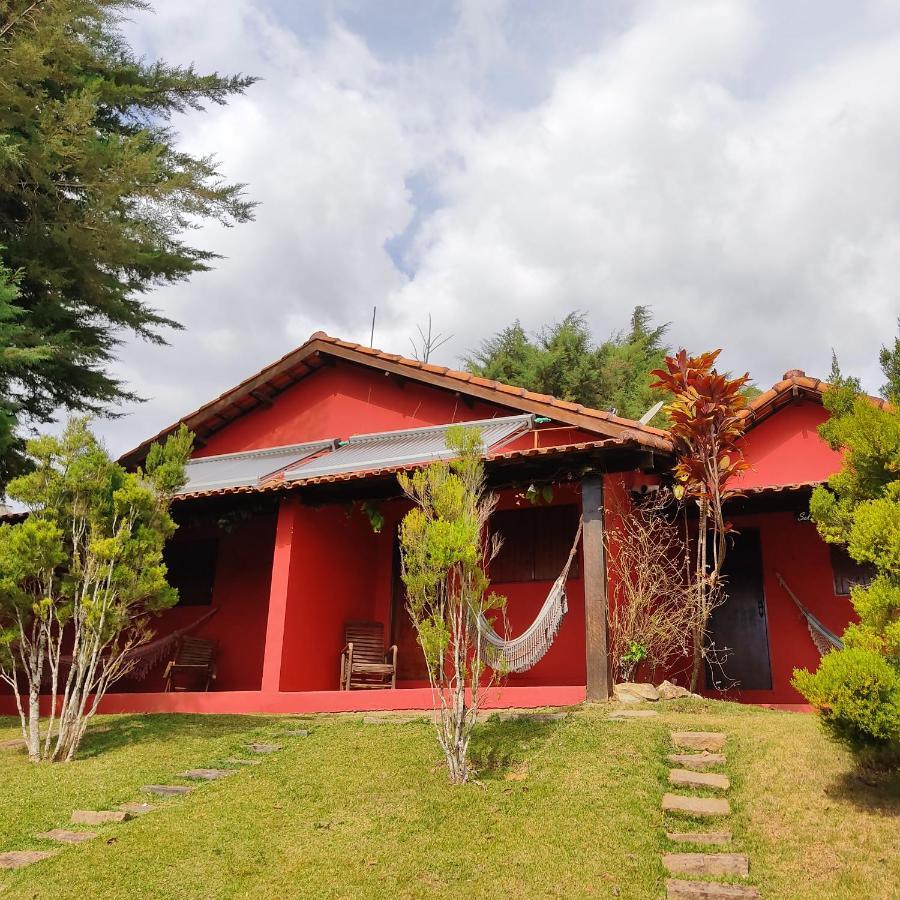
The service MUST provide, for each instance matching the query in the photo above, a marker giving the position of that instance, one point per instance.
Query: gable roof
(262, 388)
(794, 384)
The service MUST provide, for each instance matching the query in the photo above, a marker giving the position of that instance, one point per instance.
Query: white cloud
(638, 169)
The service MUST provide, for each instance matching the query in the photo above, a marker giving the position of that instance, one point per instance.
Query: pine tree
(95, 195)
(562, 360)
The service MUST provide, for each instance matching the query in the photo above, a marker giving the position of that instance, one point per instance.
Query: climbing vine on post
(445, 552)
(705, 425)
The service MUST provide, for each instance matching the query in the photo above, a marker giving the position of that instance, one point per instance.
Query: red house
(276, 548)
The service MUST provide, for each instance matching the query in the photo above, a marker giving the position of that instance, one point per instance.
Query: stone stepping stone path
(18, 859)
(205, 774)
(697, 760)
(710, 741)
(699, 837)
(137, 809)
(706, 747)
(99, 816)
(243, 762)
(63, 836)
(264, 748)
(14, 744)
(708, 890)
(688, 778)
(695, 806)
(166, 790)
(707, 864)
(633, 714)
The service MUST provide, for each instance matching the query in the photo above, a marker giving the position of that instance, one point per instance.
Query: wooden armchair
(365, 664)
(195, 659)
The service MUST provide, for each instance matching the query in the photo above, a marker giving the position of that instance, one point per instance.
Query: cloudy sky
(734, 165)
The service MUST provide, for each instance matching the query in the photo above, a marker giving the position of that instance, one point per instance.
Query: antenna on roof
(647, 416)
(372, 335)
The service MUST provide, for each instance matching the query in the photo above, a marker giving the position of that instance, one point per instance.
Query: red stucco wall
(796, 551)
(785, 448)
(240, 598)
(340, 400)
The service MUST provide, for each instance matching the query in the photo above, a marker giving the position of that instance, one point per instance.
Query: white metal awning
(388, 449)
(248, 469)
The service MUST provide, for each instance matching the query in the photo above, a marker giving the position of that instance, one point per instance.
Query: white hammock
(822, 637)
(521, 653)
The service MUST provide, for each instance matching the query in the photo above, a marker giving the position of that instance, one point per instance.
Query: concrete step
(99, 816)
(699, 837)
(707, 864)
(634, 714)
(699, 740)
(687, 778)
(708, 890)
(695, 806)
(64, 836)
(18, 859)
(205, 774)
(697, 760)
(166, 790)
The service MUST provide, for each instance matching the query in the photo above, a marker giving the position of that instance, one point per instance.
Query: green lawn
(565, 809)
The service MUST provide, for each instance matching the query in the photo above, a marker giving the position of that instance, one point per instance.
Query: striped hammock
(525, 651)
(822, 637)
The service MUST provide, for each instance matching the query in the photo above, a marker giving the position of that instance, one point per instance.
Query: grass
(568, 808)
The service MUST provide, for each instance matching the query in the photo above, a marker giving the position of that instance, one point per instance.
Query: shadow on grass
(114, 732)
(500, 749)
(872, 791)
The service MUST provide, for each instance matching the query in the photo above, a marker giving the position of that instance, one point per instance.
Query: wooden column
(595, 612)
(278, 596)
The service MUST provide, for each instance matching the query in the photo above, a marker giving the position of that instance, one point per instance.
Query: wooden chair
(195, 658)
(365, 664)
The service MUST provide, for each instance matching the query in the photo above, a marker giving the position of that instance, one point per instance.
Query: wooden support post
(278, 596)
(595, 609)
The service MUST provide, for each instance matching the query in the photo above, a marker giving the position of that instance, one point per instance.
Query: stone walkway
(17, 859)
(706, 752)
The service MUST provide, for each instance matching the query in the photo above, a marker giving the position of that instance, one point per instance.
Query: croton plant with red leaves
(705, 424)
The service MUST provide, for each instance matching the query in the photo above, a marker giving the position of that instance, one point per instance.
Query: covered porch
(286, 570)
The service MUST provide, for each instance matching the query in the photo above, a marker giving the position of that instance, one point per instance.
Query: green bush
(857, 693)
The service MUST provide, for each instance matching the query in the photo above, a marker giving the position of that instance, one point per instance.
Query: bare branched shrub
(653, 608)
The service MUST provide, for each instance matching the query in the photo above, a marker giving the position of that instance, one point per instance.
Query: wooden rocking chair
(365, 664)
(194, 658)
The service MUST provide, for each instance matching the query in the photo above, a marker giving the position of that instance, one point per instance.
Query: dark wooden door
(410, 660)
(739, 629)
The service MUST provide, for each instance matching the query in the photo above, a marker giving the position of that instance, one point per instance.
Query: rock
(99, 816)
(634, 714)
(697, 760)
(669, 691)
(686, 778)
(18, 859)
(67, 837)
(707, 864)
(695, 806)
(166, 790)
(204, 774)
(699, 740)
(298, 732)
(699, 837)
(708, 890)
(634, 692)
(137, 809)
(264, 748)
